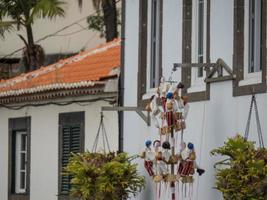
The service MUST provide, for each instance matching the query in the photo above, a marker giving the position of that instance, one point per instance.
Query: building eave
(52, 94)
(49, 88)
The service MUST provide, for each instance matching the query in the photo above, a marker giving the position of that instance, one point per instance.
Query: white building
(159, 33)
(47, 113)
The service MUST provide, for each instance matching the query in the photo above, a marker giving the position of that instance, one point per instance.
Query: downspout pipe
(121, 79)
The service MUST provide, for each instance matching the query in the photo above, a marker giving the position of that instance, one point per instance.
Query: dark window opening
(200, 35)
(155, 31)
(254, 58)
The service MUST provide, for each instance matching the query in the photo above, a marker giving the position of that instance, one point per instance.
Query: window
(249, 59)
(195, 47)
(155, 43)
(20, 161)
(149, 48)
(254, 36)
(200, 38)
(142, 52)
(199, 44)
(71, 139)
(19, 158)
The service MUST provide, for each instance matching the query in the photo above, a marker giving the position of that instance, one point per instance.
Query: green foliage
(96, 23)
(243, 175)
(97, 176)
(49, 9)
(6, 26)
(23, 13)
(106, 19)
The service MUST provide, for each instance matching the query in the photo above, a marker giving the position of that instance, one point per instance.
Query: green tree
(17, 14)
(106, 22)
(97, 176)
(243, 174)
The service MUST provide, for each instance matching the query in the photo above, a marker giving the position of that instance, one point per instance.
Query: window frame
(251, 77)
(243, 85)
(252, 37)
(187, 73)
(18, 156)
(21, 124)
(68, 119)
(155, 43)
(142, 78)
(200, 43)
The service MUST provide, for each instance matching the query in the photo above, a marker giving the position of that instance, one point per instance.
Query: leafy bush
(243, 175)
(97, 176)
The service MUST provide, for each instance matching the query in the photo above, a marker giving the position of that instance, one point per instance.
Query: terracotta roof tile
(86, 67)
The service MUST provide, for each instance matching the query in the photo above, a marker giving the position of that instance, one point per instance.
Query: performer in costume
(188, 163)
(166, 155)
(149, 158)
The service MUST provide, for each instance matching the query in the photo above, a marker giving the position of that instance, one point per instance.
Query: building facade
(50, 112)
(160, 33)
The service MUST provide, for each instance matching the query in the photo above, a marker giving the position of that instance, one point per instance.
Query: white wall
(172, 36)
(44, 143)
(58, 44)
(209, 123)
(221, 30)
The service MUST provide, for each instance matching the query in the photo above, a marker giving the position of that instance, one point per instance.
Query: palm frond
(10, 9)
(6, 26)
(49, 9)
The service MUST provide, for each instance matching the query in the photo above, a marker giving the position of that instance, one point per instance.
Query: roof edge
(54, 96)
(61, 63)
(50, 87)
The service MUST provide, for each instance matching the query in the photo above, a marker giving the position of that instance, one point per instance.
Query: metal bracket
(190, 65)
(213, 67)
(138, 110)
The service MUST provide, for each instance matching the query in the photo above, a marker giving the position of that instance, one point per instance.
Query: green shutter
(71, 139)
(71, 142)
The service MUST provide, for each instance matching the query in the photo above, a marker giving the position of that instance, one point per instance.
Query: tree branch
(24, 40)
(223, 162)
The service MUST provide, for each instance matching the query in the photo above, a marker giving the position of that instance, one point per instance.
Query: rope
(182, 131)
(201, 142)
(104, 136)
(96, 139)
(260, 136)
(258, 124)
(249, 118)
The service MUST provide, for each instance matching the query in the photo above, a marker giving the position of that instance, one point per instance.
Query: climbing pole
(170, 162)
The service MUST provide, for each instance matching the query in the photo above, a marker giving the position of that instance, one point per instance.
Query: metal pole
(173, 153)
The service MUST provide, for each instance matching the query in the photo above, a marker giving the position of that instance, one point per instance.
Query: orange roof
(85, 69)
